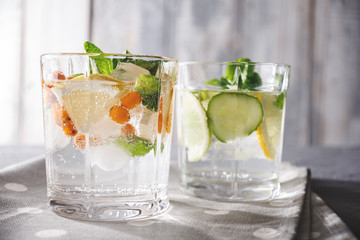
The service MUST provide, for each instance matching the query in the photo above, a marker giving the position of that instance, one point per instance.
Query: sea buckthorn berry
(80, 141)
(160, 119)
(128, 130)
(69, 129)
(58, 75)
(169, 117)
(61, 116)
(168, 122)
(46, 85)
(131, 100)
(119, 114)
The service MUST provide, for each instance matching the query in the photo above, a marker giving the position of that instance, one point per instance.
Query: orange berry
(69, 129)
(160, 122)
(80, 141)
(119, 114)
(61, 116)
(131, 100)
(58, 75)
(128, 130)
(169, 117)
(46, 84)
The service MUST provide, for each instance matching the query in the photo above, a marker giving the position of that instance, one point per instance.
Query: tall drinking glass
(107, 120)
(230, 128)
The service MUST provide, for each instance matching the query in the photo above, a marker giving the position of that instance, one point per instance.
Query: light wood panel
(135, 25)
(320, 39)
(336, 81)
(10, 42)
(50, 26)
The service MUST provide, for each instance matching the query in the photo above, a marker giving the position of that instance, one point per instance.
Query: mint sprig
(241, 75)
(106, 65)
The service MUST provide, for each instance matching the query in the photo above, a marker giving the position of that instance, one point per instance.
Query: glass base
(231, 191)
(109, 208)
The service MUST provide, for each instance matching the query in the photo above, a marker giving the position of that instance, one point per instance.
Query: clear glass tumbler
(107, 120)
(230, 128)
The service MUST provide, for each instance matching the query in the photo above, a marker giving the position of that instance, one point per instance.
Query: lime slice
(269, 131)
(196, 133)
(232, 115)
(135, 146)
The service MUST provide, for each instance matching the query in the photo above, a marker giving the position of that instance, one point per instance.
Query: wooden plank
(10, 32)
(336, 73)
(134, 25)
(50, 26)
(204, 30)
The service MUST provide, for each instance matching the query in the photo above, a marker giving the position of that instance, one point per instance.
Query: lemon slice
(88, 101)
(195, 130)
(269, 131)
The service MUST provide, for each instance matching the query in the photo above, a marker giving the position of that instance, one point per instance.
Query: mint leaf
(91, 48)
(251, 82)
(230, 72)
(248, 78)
(135, 146)
(213, 82)
(223, 82)
(279, 102)
(104, 65)
(77, 75)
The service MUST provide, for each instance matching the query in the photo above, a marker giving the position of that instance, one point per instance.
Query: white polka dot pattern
(216, 212)
(266, 233)
(30, 210)
(51, 233)
(16, 187)
(281, 202)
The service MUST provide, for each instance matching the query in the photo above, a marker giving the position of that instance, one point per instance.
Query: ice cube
(148, 125)
(105, 128)
(128, 72)
(108, 157)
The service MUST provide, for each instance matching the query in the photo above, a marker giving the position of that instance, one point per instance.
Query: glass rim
(233, 62)
(44, 55)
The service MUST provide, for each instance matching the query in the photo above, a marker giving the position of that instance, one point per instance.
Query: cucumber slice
(233, 115)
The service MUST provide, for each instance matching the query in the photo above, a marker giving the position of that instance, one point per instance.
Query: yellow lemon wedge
(88, 99)
(269, 131)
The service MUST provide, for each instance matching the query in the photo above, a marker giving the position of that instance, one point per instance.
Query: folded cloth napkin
(295, 214)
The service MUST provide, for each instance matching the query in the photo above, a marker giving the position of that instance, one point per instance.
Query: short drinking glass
(230, 128)
(107, 120)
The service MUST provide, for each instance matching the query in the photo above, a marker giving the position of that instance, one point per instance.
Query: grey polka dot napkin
(295, 214)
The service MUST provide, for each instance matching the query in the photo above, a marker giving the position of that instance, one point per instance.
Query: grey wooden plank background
(320, 39)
